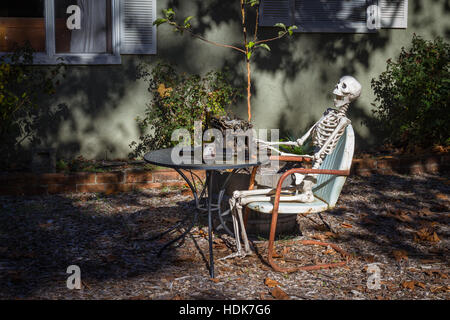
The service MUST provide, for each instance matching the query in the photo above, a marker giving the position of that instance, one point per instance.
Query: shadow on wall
(95, 94)
(327, 56)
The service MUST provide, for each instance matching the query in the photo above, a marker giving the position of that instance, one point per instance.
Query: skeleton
(325, 135)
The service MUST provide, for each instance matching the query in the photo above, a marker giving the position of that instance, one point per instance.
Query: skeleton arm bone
(285, 153)
(277, 143)
(298, 142)
(302, 140)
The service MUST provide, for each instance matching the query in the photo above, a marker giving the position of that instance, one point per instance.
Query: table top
(164, 158)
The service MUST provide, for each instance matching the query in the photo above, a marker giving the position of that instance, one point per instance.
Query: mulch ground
(395, 226)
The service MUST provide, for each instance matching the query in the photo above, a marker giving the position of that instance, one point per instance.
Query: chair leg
(276, 267)
(270, 248)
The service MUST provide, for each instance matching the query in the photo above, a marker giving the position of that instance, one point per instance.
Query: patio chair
(331, 178)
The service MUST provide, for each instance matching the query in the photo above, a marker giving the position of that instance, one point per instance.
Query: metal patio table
(203, 199)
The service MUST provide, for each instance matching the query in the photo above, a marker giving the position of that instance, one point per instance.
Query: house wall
(292, 84)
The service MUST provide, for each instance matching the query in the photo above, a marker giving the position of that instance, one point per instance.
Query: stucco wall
(292, 84)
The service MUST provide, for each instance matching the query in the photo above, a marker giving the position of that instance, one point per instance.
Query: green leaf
(280, 25)
(169, 13)
(265, 46)
(249, 55)
(159, 22)
(250, 45)
(186, 21)
(291, 28)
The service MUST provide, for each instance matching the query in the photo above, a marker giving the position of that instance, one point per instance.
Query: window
(79, 31)
(335, 15)
(95, 27)
(22, 21)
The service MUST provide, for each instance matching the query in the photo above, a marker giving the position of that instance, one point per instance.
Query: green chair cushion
(290, 207)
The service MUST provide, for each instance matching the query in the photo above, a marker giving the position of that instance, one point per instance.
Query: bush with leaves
(22, 87)
(177, 101)
(413, 95)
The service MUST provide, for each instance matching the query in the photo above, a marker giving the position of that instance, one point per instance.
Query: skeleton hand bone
(300, 141)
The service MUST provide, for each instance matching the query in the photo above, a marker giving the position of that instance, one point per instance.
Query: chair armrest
(291, 158)
(315, 171)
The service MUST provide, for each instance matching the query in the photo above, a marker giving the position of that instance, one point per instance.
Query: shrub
(22, 86)
(177, 101)
(413, 95)
(306, 148)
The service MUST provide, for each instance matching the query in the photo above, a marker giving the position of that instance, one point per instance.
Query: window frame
(352, 27)
(333, 29)
(50, 57)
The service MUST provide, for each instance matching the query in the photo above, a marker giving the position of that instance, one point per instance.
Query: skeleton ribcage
(325, 128)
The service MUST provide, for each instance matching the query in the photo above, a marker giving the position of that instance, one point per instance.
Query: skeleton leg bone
(235, 220)
(243, 231)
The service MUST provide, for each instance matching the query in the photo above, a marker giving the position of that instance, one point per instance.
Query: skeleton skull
(347, 90)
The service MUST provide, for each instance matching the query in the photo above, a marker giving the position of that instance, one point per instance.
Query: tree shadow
(96, 124)
(396, 209)
(329, 55)
(42, 236)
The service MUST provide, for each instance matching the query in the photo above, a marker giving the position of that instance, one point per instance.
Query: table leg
(209, 178)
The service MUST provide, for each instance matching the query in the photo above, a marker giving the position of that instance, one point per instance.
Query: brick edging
(133, 179)
(80, 182)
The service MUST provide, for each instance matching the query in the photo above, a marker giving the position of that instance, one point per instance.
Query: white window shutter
(276, 11)
(331, 15)
(137, 33)
(394, 13)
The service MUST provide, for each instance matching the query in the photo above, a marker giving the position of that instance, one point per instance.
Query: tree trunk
(249, 93)
(247, 59)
